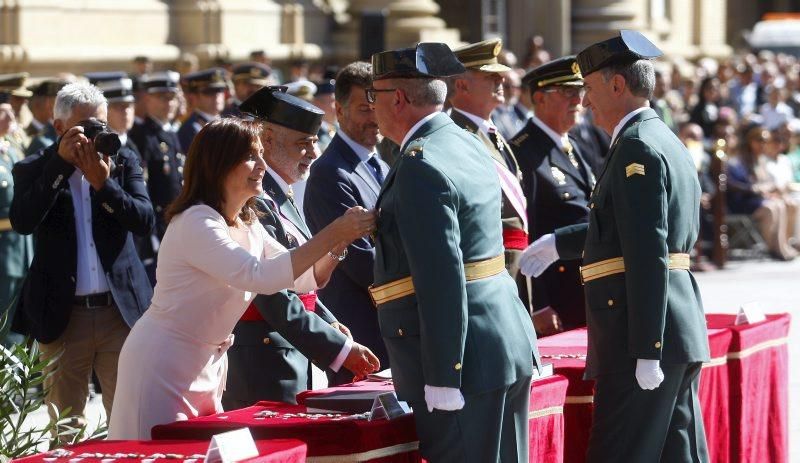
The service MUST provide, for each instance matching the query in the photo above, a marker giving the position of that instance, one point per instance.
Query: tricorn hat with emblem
(482, 56)
(207, 79)
(272, 104)
(254, 73)
(560, 71)
(116, 86)
(426, 60)
(14, 84)
(628, 46)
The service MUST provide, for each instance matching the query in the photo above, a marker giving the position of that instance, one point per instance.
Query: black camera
(105, 141)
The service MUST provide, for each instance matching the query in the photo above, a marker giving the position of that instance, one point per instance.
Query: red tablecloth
(758, 363)
(713, 396)
(377, 441)
(270, 451)
(567, 352)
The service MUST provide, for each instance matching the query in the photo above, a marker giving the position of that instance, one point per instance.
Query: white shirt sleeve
(339, 360)
(209, 247)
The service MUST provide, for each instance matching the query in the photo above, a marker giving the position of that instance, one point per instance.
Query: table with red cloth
(269, 451)
(567, 352)
(758, 363)
(329, 438)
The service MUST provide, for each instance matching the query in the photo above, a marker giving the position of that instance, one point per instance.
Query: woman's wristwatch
(338, 257)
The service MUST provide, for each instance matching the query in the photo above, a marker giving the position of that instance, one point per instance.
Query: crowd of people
(206, 239)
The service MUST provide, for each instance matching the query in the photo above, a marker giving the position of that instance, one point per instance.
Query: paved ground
(775, 285)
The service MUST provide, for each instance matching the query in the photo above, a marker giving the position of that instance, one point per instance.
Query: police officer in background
(474, 95)
(205, 91)
(557, 182)
(646, 326)
(41, 131)
(162, 159)
(247, 79)
(117, 87)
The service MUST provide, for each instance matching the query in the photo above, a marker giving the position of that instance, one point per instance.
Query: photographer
(86, 286)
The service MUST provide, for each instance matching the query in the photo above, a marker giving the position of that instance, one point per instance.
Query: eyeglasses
(568, 92)
(371, 91)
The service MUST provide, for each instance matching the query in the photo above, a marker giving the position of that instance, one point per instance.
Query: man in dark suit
(41, 131)
(461, 343)
(647, 330)
(247, 79)
(349, 173)
(279, 333)
(557, 182)
(161, 157)
(205, 91)
(474, 95)
(86, 287)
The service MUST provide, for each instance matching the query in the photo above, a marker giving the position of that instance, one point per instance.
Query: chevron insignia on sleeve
(633, 169)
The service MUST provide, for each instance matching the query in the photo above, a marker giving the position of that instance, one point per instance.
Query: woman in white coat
(214, 258)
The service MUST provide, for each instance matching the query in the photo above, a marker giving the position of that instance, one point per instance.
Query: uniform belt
(92, 301)
(405, 287)
(5, 225)
(616, 265)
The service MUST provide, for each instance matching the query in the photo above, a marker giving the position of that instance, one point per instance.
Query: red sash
(251, 314)
(514, 238)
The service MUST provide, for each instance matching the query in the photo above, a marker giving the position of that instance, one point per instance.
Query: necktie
(501, 148)
(566, 146)
(375, 168)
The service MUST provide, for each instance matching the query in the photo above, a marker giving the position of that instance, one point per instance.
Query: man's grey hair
(639, 76)
(423, 92)
(74, 95)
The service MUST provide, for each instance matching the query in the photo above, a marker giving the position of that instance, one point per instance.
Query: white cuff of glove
(649, 374)
(443, 398)
(538, 256)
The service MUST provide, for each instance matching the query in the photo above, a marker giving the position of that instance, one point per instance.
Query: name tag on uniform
(634, 169)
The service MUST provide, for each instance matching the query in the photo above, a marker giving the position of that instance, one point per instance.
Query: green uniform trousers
(465, 435)
(637, 426)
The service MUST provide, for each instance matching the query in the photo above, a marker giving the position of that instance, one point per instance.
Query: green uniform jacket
(645, 206)
(40, 139)
(437, 210)
(16, 250)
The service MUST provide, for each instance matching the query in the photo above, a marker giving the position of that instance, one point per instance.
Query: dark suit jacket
(558, 195)
(592, 141)
(42, 205)
(339, 181)
(645, 206)
(440, 209)
(269, 360)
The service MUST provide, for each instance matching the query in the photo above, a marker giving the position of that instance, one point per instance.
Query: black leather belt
(92, 301)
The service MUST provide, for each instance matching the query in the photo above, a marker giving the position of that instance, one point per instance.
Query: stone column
(711, 35)
(412, 21)
(596, 20)
(347, 38)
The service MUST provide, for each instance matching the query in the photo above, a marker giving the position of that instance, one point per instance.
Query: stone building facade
(48, 36)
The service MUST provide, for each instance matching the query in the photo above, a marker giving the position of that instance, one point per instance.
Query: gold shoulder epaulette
(414, 148)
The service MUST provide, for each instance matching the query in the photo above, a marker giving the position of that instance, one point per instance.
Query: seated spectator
(775, 112)
(746, 195)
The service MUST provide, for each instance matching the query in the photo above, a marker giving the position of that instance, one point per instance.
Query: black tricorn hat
(272, 104)
(560, 71)
(627, 47)
(428, 59)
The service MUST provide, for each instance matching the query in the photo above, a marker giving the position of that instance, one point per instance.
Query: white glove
(648, 374)
(538, 256)
(443, 398)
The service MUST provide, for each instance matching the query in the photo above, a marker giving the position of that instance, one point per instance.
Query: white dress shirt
(90, 277)
(483, 125)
